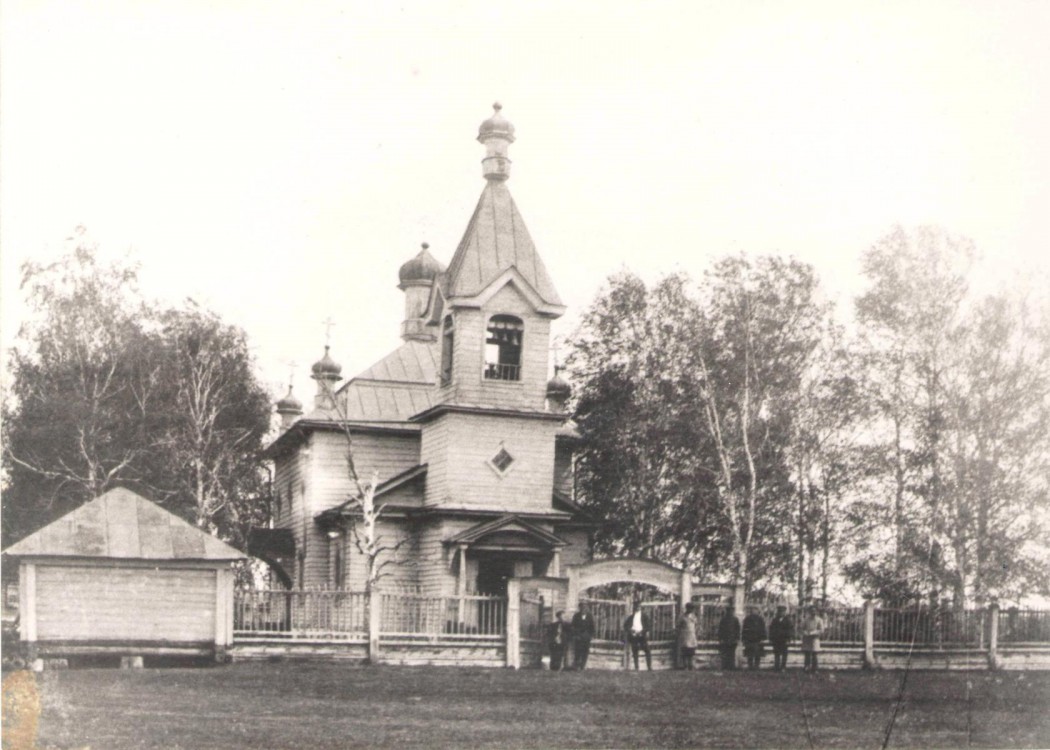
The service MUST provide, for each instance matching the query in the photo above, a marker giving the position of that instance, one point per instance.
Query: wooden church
(469, 439)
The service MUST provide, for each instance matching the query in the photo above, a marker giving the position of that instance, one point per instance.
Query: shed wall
(95, 603)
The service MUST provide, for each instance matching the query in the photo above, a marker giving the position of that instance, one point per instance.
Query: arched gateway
(626, 569)
(532, 603)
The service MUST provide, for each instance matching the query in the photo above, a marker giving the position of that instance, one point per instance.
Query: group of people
(753, 633)
(579, 633)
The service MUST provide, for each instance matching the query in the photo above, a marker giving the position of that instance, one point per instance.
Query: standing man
(636, 631)
(753, 634)
(781, 633)
(812, 628)
(728, 637)
(559, 634)
(687, 637)
(582, 633)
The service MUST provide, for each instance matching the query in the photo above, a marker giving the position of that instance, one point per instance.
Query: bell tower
(489, 439)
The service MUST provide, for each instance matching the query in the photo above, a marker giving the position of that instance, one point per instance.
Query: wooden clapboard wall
(125, 603)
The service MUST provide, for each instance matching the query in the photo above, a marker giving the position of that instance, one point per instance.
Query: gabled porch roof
(494, 534)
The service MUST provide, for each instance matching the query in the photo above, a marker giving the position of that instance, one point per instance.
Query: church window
(503, 348)
(447, 339)
(502, 461)
(338, 566)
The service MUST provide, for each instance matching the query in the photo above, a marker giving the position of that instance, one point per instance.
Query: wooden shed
(122, 576)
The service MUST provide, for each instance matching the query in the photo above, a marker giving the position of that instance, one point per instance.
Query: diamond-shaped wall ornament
(502, 460)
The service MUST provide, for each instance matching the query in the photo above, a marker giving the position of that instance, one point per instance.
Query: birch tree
(761, 322)
(107, 389)
(217, 417)
(958, 441)
(686, 404)
(378, 549)
(77, 411)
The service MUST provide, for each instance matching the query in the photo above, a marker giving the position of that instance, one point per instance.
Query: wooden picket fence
(343, 615)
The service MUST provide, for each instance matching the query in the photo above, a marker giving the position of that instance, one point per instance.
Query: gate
(536, 600)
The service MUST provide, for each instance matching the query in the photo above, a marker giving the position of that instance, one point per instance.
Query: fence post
(374, 603)
(513, 623)
(993, 636)
(739, 605)
(869, 634)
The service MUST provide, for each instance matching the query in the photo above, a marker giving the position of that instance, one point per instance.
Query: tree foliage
(958, 441)
(687, 408)
(108, 390)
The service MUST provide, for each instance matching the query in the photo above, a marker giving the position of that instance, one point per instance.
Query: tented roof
(496, 240)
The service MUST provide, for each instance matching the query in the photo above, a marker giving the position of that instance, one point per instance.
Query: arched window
(448, 335)
(503, 339)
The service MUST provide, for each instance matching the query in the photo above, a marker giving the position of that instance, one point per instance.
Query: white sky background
(279, 161)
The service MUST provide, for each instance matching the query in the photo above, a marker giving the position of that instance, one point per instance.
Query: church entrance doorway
(493, 573)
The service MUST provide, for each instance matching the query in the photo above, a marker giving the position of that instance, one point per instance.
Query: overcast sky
(279, 161)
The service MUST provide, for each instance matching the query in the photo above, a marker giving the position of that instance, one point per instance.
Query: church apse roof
(389, 391)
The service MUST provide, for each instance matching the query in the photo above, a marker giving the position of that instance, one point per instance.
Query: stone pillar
(993, 636)
(869, 634)
(572, 596)
(686, 590)
(513, 659)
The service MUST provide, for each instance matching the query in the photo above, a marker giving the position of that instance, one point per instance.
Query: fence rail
(1024, 626)
(446, 616)
(317, 614)
(931, 627)
(344, 614)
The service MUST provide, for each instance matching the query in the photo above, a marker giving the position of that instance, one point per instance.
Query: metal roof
(496, 240)
(121, 524)
(391, 390)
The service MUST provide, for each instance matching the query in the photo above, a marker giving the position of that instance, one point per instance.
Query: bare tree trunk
(801, 530)
(826, 546)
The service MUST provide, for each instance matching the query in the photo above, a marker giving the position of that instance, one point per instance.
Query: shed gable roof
(121, 524)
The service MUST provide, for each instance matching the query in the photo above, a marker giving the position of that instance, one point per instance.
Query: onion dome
(497, 125)
(558, 389)
(289, 404)
(421, 269)
(327, 368)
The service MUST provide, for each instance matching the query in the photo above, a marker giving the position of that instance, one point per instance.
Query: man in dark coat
(781, 633)
(636, 632)
(557, 637)
(728, 637)
(582, 633)
(753, 634)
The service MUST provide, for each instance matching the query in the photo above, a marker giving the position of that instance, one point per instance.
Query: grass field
(313, 705)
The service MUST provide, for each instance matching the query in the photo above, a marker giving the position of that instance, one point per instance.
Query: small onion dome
(423, 267)
(496, 126)
(558, 389)
(326, 367)
(289, 404)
